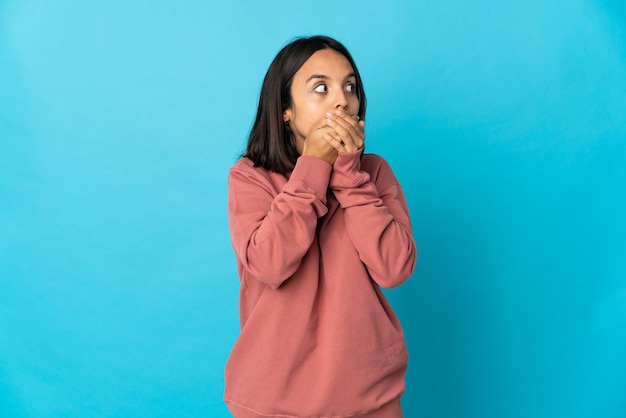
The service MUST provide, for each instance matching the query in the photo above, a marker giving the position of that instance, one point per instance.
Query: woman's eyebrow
(320, 76)
(325, 77)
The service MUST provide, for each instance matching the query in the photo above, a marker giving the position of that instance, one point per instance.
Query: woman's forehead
(325, 63)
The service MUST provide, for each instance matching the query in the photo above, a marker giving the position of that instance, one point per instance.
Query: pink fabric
(318, 338)
(391, 410)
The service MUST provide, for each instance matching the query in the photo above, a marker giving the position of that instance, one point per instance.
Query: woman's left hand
(348, 132)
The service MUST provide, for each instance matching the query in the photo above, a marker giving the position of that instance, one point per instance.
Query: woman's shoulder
(245, 165)
(245, 169)
(378, 168)
(372, 159)
(374, 163)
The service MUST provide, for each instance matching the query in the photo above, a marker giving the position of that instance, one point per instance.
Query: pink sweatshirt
(318, 338)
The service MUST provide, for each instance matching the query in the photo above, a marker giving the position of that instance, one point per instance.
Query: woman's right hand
(316, 146)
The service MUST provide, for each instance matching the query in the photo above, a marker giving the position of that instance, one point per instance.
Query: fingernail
(329, 121)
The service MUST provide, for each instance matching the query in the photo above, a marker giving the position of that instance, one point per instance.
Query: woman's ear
(287, 116)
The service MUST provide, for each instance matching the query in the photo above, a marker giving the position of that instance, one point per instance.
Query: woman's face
(324, 83)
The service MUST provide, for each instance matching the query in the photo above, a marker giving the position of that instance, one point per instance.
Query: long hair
(271, 144)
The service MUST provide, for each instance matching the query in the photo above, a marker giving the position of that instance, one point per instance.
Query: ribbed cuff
(347, 171)
(314, 173)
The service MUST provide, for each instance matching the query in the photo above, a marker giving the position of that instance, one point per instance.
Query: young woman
(317, 228)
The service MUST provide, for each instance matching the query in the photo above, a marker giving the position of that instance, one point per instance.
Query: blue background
(504, 120)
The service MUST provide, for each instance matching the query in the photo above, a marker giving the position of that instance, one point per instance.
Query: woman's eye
(351, 88)
(321, 88)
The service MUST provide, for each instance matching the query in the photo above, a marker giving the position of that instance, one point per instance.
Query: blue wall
(505, 122)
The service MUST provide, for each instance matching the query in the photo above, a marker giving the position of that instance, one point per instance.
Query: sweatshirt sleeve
(377, 218)
(272, 230)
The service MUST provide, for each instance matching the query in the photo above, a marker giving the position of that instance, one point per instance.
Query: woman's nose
(341, 101)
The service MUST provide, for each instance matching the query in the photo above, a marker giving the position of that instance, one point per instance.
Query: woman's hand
(317, 146)
(347, 132)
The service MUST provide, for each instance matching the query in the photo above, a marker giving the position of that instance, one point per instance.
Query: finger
(349, 122)
(349, 128)
(343, 130)
(349, 139)
(334, 141)
(354, 121)
(362, 130)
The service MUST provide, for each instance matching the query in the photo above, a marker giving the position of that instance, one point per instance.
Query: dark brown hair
(271, 144)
